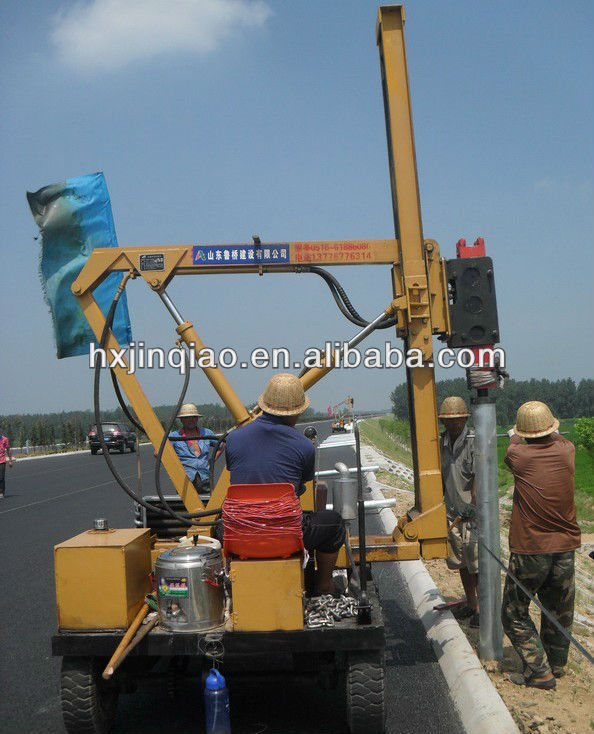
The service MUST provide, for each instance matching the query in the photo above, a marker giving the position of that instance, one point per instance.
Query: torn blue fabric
(74, 217)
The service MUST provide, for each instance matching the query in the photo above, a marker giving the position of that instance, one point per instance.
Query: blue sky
(213, 120)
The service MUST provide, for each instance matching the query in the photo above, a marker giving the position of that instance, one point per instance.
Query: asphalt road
(49, 500)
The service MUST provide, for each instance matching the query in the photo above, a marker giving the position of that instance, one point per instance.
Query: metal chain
(326, 610)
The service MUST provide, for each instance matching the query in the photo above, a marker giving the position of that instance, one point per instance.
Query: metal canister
(344, 494)
(190, 588)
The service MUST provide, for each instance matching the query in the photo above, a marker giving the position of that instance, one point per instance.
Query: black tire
(93, 451)
(365, 692)
(132, 448)
(89, 703)
(123, 447)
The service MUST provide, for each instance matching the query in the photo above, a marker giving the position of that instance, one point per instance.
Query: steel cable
(278, 516)
(548, 615)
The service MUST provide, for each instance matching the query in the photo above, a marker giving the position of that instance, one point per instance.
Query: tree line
(566, 398)
(71, 428)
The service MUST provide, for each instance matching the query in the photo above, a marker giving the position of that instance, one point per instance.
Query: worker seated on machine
(270, 449)
(194, 454)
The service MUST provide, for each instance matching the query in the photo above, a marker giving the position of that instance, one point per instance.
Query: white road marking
(68, 494)
(42, 473)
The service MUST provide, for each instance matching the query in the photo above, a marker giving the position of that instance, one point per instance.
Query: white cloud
(110, 34)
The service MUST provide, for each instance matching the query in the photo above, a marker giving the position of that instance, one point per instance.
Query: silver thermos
(190, 587)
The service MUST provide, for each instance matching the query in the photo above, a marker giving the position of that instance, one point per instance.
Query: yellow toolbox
(102, 577)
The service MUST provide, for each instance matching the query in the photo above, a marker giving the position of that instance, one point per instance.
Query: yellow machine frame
(419, 301)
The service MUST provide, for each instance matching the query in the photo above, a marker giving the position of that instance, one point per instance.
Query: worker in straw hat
(543, 536)
(457, 468)
(271, 449)
(193, 453)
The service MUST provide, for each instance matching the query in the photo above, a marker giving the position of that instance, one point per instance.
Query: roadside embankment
(568, 709)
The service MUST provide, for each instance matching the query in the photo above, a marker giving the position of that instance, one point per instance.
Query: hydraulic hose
(213, 458)
(97, 376)
(183, 518)
(123, 406)
(342, 300)
(96, 385)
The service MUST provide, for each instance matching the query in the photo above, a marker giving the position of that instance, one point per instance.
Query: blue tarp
(74, 217)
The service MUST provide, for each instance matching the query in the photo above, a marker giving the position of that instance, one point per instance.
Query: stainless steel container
(190, 587)
(344, 493)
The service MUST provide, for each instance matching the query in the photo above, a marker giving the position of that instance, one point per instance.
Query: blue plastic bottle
(216, 704)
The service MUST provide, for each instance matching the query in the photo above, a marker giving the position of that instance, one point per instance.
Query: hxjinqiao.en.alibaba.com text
(339, 354)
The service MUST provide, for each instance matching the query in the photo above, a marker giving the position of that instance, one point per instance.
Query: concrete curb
(480, 707)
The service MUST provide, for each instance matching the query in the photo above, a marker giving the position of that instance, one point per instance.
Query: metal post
(487, 506)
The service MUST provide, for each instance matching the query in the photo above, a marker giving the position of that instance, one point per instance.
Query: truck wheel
(88, 702)
(123, 447)
(132, 448)
(93, 451)
(365, 692)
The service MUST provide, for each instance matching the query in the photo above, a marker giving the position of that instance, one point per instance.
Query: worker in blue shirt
(270, 449)
(194, 454)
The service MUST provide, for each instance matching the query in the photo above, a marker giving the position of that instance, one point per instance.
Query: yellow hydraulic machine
(417, 304)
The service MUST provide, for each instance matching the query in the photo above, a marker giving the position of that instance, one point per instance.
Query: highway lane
(49, 500)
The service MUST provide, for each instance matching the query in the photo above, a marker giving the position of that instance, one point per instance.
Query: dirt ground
(570, 708)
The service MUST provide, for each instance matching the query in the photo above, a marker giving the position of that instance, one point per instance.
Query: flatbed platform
(345, 635)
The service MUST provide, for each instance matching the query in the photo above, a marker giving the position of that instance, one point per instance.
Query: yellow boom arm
(419, 301)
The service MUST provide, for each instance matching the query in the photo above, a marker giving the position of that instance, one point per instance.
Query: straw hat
(189, 410)
(283, 395)
(534, 420)
(454, 407)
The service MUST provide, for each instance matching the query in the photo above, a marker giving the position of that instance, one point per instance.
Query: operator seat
(257, 523)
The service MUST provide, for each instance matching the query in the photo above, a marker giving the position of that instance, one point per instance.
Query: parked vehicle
(116, 435)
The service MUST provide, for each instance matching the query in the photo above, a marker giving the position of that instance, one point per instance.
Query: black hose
(342, 300)
(123, 406)
(183, 518)
(97, 376)
(97, 410)
(213, 458)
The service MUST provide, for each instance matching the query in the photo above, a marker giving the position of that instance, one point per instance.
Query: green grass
(398, 428)
(584, 474)
(392, 480)
(392, 437)
(388, 435)
(584, 470)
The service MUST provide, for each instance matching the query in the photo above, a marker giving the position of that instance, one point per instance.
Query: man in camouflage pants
(550, 576)
(543, 537)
